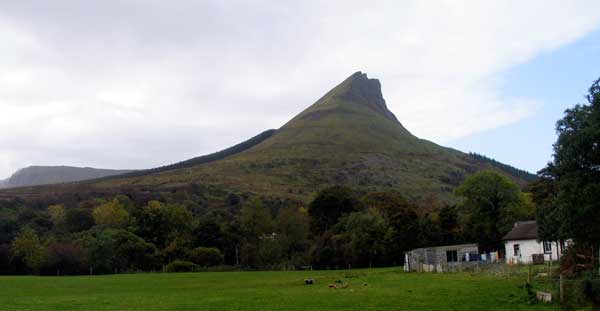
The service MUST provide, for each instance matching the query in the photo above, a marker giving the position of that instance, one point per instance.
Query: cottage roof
(523, 230)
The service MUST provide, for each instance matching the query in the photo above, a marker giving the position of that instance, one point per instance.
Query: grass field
(377, 289)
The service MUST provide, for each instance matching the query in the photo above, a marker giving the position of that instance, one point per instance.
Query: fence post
(529, 275)
(562, 289)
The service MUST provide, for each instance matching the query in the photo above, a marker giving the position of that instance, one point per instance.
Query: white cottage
(522, 245)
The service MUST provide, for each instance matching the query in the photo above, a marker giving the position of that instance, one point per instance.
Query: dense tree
(115, 250)
(34, 219)
(293, 227)
(65, 258)
(57, 215)
(329, 205)
(208, 233)
(206, 256)
(28, 247)
(449, 225)
(78, 219)
(576, 170)
(256, 223)
(402, 217)
(544, 192)
(161, 223)
(9, 228)
(6, 266)
(491, 203)
(366, 237)
(255, 219)
(111, 214)
(430, 232)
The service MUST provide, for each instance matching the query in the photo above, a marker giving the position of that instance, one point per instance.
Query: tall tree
(255, 219)
(491, 203)
(366, 236)
(402, 217)
(292, 227)
(57, 215)
(29, 248)
(78, 219)
(544, 192)
(111, 214)
(576, 169)
(329, 205)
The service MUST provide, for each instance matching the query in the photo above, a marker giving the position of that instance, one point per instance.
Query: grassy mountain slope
(347, 137)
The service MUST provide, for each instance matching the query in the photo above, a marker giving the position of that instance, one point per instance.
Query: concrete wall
(527, 249)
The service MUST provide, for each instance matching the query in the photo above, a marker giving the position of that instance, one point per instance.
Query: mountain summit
(358, 89)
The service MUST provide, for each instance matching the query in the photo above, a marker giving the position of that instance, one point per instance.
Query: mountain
(45, 175)
(348, 137)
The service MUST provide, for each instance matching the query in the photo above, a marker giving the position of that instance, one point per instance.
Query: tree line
(339, 228)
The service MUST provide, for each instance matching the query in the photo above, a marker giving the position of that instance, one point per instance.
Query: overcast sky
(137, 84)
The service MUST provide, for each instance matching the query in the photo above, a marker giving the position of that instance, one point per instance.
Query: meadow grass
(376, 289)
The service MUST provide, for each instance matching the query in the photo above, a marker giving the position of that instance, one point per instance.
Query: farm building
(440, 258)
(522, 245)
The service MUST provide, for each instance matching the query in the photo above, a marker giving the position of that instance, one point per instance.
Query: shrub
(181, 266)
(206, 256)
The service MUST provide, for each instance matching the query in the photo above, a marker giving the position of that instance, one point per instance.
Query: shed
(440, 258)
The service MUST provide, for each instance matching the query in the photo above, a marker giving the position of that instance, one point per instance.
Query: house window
(516, 250)
(547, 247)
(452, 256)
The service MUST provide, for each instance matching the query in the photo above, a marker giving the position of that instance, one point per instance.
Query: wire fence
(545, 283)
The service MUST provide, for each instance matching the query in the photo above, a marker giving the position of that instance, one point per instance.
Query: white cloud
(132, 84)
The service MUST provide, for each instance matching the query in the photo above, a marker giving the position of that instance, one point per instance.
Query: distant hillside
(45, 175)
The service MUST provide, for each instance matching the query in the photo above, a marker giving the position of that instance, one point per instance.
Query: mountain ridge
(36, 175)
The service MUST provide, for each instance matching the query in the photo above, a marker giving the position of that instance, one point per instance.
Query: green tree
(161, 223)
(293, 227)
(366, 236)
(111, 214)
(544, 192)
(208, 233)
(57, 215)
(29, 248)
(65, 258)
(402, 217)
(491, 203)
(206, 256)
(449, 226)
(78, 219)
(255, 219)
(116, 250)
(576, 170)
(329, 205)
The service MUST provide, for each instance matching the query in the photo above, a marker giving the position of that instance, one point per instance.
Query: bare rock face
(368, 92)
